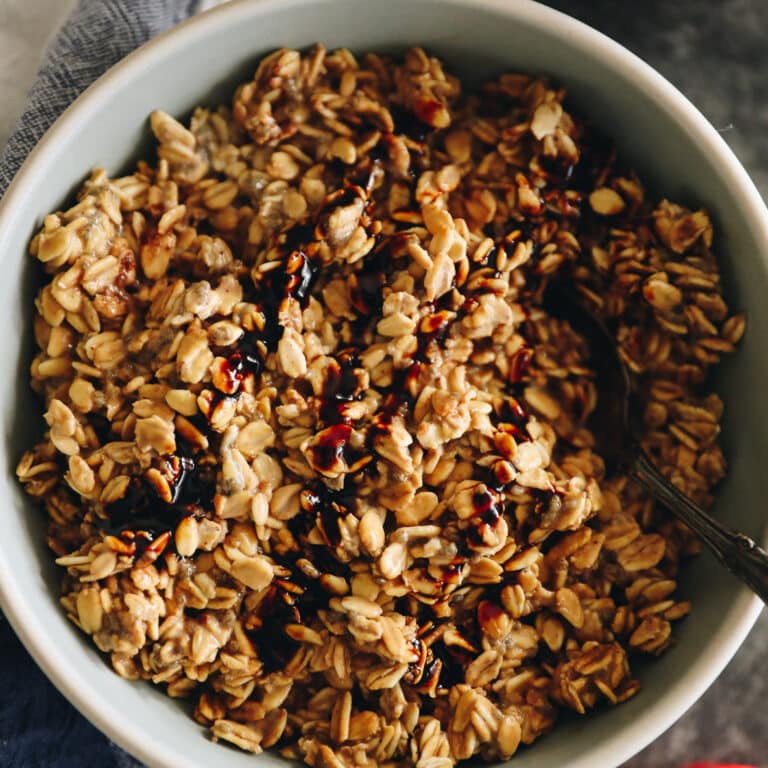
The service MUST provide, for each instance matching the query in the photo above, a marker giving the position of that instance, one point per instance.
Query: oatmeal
(317, 458)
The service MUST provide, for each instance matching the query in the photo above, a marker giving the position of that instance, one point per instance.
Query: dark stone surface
(714, 51)
(717, 54)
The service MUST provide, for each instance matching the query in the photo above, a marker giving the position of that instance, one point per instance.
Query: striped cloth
(97, 35)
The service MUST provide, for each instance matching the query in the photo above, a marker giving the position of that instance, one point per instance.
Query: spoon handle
(736, 551)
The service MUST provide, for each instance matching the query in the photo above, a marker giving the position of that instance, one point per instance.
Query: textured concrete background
(716, 52)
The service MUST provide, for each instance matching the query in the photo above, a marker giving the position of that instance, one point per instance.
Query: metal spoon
(616, 440)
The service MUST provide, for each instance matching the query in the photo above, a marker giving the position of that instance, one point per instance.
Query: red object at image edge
(717, 765)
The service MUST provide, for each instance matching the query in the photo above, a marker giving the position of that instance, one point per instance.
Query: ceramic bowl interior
(675, 150)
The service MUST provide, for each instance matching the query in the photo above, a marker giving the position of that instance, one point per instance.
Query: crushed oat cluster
(317, 459)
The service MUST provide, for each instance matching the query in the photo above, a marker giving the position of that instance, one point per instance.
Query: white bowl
(668, 140)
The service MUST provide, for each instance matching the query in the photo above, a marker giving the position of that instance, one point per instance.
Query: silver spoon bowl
(616, 439)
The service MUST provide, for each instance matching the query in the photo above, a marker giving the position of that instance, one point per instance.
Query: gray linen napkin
(97, 35)
(38, 727)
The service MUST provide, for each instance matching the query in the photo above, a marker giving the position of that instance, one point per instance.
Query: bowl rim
(744, 610)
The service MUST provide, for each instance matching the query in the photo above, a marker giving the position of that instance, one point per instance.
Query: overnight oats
(318, 460)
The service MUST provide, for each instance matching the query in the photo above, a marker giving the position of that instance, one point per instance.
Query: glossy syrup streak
(141, 516)
(297, 598)
(342, 386)
(293, 278)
